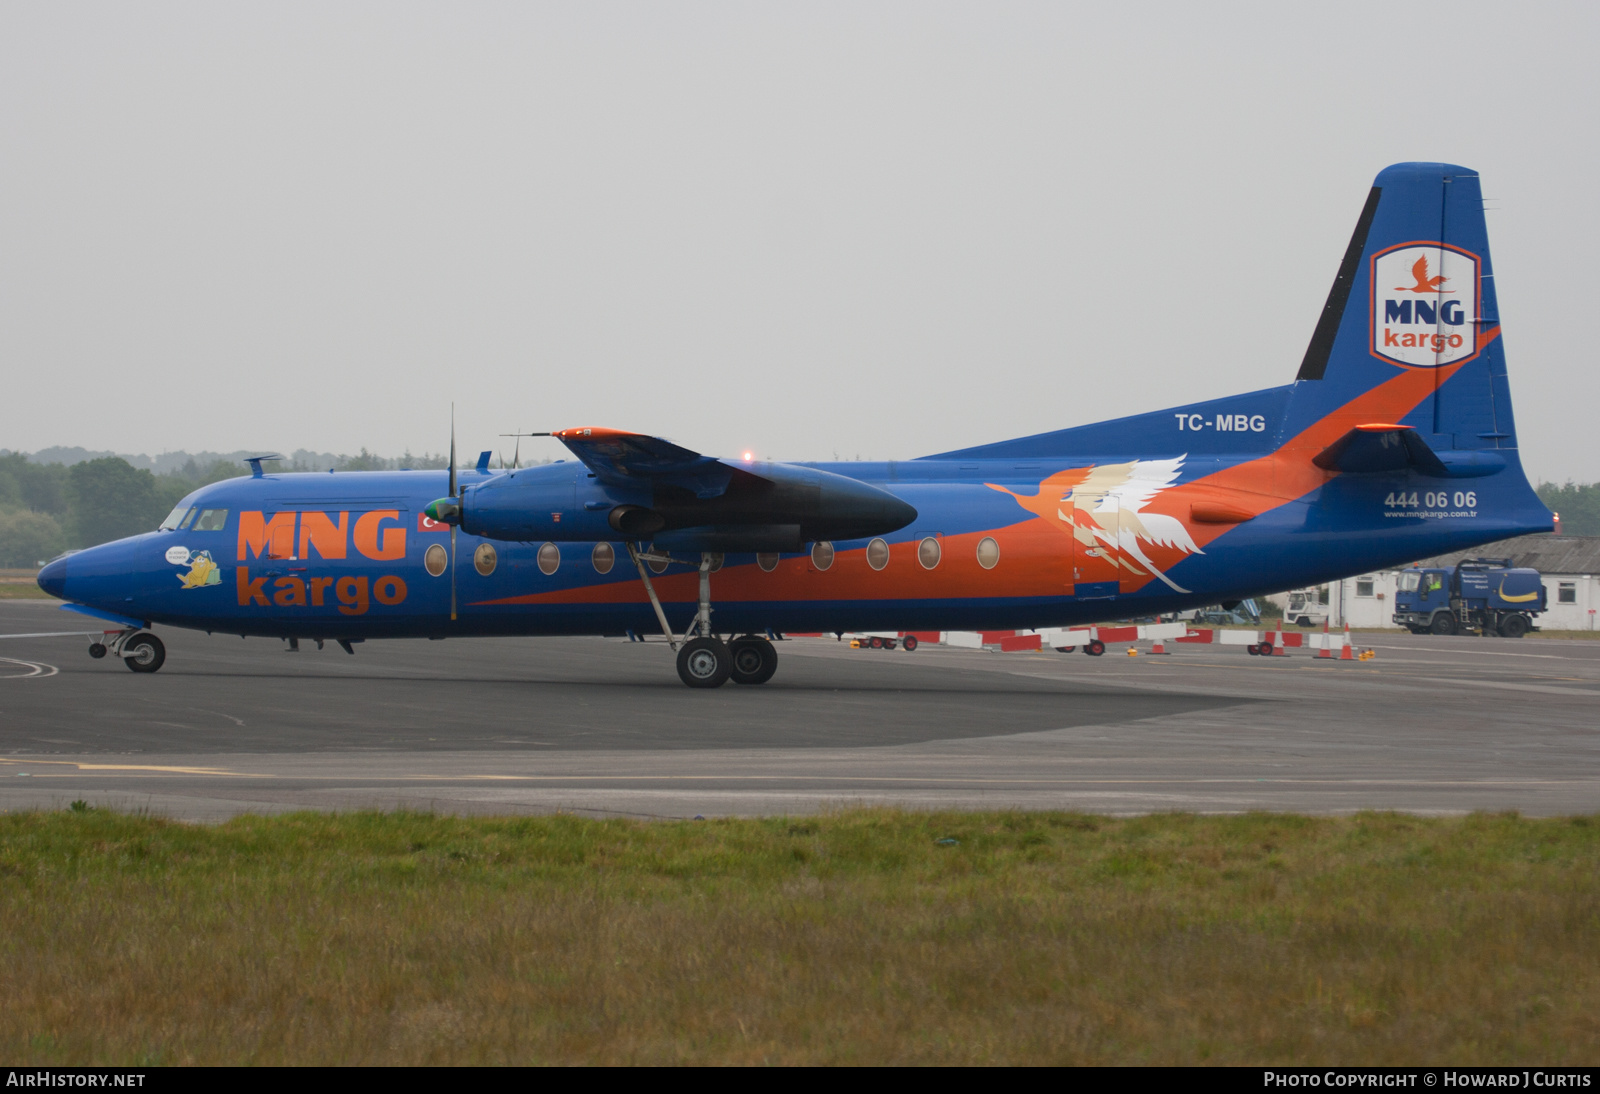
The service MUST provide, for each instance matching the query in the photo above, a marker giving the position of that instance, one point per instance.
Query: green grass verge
(22, 590)
(855, 937)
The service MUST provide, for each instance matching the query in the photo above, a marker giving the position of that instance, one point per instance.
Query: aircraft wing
(620, 458)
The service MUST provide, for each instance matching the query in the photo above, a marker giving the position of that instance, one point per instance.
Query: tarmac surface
(1431, 725)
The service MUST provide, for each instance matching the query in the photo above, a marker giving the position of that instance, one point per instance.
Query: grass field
(21, 585)
(857, 937)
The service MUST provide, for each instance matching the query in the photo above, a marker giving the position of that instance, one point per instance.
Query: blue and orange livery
(1402, 394)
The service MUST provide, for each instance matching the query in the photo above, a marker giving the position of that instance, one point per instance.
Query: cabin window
(717, 558)
(822, 554)
(1409, 580)
(877, 554)
(604, 556)
(549, 558)
(767, 560)
(175, 518)
(435, 559)
(658, 566)
(1364, 586)
(988, 552)
(211, 520)
(928, 553)
(1567, 592)
(485, 558)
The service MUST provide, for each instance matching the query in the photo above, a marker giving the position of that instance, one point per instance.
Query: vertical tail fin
(1415, 294)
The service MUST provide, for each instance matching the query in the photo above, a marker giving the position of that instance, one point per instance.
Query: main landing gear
(704, 660)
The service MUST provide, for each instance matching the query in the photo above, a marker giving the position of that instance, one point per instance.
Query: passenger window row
(604, 556)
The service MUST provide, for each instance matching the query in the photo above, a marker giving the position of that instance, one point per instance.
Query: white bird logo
(1103, 509)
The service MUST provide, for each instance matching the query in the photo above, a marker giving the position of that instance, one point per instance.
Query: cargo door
(1097, 519)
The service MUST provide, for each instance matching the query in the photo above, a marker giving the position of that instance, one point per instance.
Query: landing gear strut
(704, 660)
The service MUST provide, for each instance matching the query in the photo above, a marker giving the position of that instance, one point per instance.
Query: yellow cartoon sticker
(202, 571)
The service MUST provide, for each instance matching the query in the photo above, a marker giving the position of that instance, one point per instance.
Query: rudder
(1415, 293)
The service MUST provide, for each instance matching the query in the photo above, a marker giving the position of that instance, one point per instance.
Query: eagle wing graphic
(1102, 507)
(1124, 525)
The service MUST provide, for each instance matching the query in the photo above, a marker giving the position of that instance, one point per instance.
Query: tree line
(1578, 504)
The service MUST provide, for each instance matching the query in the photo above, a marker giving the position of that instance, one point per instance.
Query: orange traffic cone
(1348, 653)
(1326, 652)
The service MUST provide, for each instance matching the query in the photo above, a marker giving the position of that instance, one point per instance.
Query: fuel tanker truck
(1476, 596)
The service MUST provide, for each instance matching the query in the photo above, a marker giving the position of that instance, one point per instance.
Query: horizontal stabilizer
(1383, 446)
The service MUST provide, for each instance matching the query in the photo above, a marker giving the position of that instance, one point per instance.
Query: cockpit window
(211, 520)
(1408, 581)
(175, 518)
(189, 518)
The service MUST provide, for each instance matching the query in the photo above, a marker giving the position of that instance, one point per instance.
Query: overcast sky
(799, 229)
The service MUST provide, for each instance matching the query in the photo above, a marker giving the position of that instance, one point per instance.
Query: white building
(1569, 565)
(1366, 601)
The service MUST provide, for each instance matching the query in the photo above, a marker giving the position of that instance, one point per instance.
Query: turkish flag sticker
(426, 523)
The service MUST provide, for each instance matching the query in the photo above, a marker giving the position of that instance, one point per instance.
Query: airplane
(1394, 442)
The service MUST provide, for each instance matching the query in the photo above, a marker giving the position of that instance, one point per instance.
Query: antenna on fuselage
(255, 464)
(516, 453)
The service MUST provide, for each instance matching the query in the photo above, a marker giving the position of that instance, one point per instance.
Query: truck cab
(1477, 596)
(1306, 608)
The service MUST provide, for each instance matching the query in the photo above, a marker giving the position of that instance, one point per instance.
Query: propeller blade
(452, 490)
(455, 495)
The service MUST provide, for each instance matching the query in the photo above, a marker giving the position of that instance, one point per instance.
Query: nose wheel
(144, 653)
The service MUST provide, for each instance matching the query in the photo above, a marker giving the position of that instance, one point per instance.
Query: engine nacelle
(765, 506)
(552, 502)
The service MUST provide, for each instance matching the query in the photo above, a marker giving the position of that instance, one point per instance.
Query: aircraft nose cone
(53, 579)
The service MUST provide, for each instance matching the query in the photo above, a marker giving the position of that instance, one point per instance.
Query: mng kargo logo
(1425, 306)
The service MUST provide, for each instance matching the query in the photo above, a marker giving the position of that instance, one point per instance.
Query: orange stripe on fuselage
(1032, 563)
(1263, 484)
(1032, 560)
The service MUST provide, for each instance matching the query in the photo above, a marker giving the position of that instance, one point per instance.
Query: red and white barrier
(1280, 642)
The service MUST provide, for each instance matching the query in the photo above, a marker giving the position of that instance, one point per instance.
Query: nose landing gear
(144, 653)
(139, 650)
